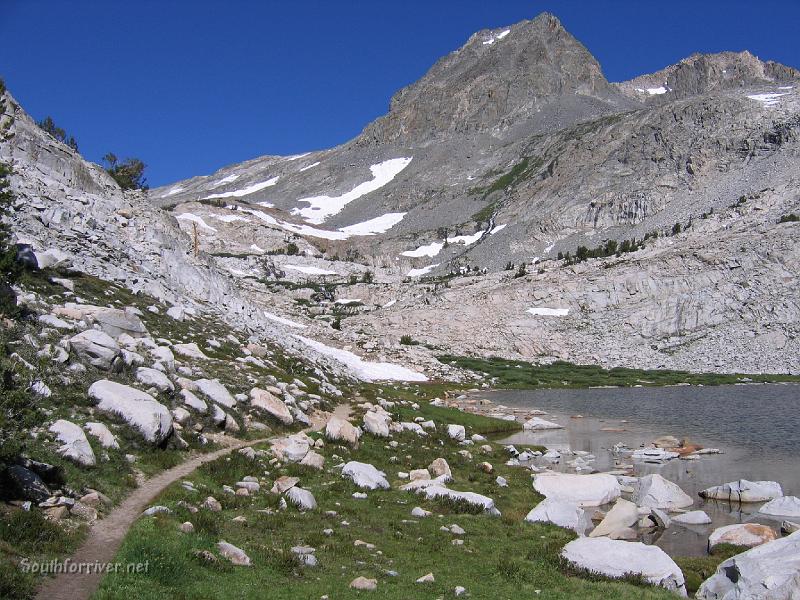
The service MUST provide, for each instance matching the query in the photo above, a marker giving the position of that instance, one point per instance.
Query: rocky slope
(510, 150)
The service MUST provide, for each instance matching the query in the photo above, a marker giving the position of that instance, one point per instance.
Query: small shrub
(521, 271)
(292, 249)
(406, 340)
(790, 218)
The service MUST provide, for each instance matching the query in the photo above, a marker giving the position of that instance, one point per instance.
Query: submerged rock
(786, 506)
(744, 491)
(654, 491)
(694, 517)
(615, 525)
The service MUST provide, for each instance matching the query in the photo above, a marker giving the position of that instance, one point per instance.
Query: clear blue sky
(190, 86)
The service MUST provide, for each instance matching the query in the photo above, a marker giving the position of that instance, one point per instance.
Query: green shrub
(790, 218)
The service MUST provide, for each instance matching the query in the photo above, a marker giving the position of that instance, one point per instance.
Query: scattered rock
(264, 400)
(96, 347)
(302, 499)
(769, 572)
(365, 476)
(139, 409)
(426, 578)
(340, 429)
(742, 534)
(539, 424)
(744, 491)
(75, 446)
(103, 434)
(656, 492)
(211, 504)
(622, 516)
(786, 506)
(582, 490)
(457, 432)
(154, 378)
(616, 558)
(362, 583)
(236, 555)
(214, 390)
(563, 514)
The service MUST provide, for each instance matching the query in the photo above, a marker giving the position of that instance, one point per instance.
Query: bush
(48, 125)
(367, 277)
(292, 249)
(521, 271)
(129, 174)
(406, 340)
(676, 229)
(790, 218)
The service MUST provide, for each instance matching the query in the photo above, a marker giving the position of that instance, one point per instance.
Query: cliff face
(512, 149)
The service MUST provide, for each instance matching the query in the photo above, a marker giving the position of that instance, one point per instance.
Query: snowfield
(496, 38)
(368, 371)
(283, 321)
(549, 312)
(422, 271)
(311, 166)
(321, 207)
(767, 99)
(224, 180)
(250, 189)
(434, 248)
(196, 219)
(380, 224)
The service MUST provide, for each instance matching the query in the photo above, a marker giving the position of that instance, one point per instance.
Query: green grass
(560, 374)
(28, 535)
(696, 569)
(502, 557)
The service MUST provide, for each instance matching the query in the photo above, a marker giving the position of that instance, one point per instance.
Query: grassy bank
(560, 374)
(501, 557)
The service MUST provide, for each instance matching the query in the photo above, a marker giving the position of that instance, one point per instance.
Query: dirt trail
(106, 535)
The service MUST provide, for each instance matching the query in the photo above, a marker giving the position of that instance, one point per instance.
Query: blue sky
(190, 86)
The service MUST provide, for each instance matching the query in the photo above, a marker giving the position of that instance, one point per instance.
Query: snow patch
(175, 190)
(196, 219)
(380, 224)
(283, 321)
(296, 156)
(422, 271)
(389, 303)
(549, 248)
(256, 248)
(266, 204)
(250, 189)
(321, 207)
(224, 180)
(434, 248)
(767, 99)
(311, 166)
(549, 312)
(496, 38)
(368, 371)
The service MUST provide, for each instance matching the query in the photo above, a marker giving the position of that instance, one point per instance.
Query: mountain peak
(499, 77)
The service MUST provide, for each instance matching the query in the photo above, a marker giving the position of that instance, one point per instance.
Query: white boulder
(742, 534)
(583, 490)
(439, 491)
(615, 525)
(744, 491)
(563, 514)
(365, 476)
(102, 433)
(213, 389)
(74, 446)
(139, 409)
(154, 378)
(193, 402)
(457, 432)
(769, 572)
(96, 347)
(236, 555)
(693, 517)
(786, 506)
(616, 558)
(377, 423)
(654, 491)
(301, 498)
(340, 429)
(265, 401)
(539, 424)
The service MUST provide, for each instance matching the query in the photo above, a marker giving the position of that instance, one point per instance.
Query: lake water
(756, 426)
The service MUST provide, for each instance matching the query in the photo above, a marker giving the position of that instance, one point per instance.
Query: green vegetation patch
(560, 374)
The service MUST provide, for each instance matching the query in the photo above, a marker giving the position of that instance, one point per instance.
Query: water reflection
(755, 426)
